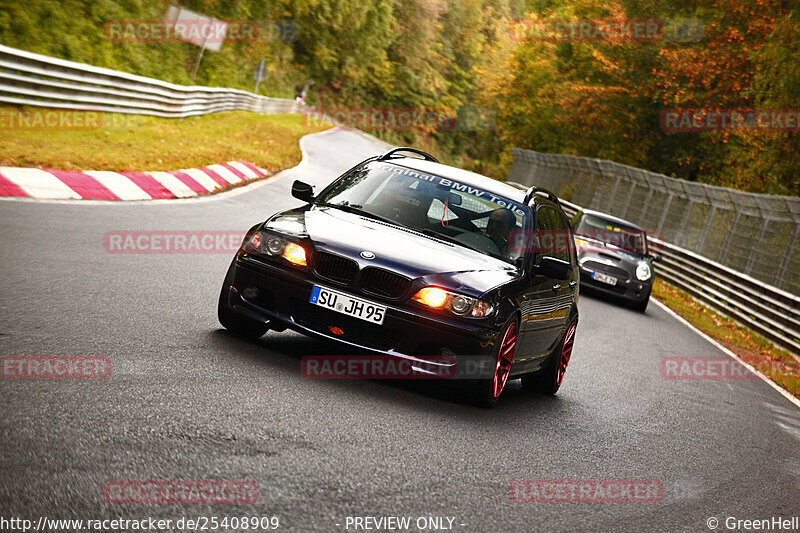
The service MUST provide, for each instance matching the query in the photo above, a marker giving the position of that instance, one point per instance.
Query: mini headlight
(643, 272)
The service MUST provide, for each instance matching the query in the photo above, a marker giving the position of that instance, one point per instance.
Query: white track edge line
(786, 394)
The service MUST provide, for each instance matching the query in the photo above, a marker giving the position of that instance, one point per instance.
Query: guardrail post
(785, 263)
(751, 257)
(665, 211)
(613, 193)
(624, 212)
(706, 227)
(646, 203)
(724, 250)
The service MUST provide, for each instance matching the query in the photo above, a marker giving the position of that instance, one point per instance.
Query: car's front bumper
(629, 289)
(283, 301)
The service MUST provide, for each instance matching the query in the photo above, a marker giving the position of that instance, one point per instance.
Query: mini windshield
(436, 206)
(607, 231)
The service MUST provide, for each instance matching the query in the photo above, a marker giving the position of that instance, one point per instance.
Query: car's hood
(405, 252)
(590, 250)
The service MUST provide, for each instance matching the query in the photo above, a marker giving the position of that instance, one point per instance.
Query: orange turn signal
(294, 253)
(431, 296)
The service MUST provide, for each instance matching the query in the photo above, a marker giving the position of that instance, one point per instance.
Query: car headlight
(276, 246)
(457, 304)
(643, 272)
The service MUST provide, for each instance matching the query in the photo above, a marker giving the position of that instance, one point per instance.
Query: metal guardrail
(38, 80)
(755, 234)
(767, 310)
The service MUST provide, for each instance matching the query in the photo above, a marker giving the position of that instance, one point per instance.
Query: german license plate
(347, 305)
(604, 278)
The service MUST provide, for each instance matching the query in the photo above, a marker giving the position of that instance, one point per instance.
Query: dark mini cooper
(614, 257)
(408, 258)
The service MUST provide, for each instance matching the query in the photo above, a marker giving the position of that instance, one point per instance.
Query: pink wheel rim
(566, 351)
(505, 356)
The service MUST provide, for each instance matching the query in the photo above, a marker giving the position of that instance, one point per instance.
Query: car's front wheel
(549, 380)
(488, 391)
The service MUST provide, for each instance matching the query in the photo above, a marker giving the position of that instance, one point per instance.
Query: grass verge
(86, 140)
(777, 364)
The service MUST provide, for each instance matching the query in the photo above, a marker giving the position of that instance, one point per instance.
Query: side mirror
(302, 191)
(554, 268)
(655, 256)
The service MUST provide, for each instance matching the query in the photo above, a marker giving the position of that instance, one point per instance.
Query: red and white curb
(107, 185)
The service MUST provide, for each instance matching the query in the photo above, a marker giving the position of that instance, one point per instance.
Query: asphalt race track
(188, 401)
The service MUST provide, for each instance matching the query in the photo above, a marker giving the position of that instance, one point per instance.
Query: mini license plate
(604, 278)
(347, 305)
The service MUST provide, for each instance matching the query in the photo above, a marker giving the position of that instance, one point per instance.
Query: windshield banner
(452, 185)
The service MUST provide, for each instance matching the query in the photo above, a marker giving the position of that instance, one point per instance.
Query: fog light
(251, 293)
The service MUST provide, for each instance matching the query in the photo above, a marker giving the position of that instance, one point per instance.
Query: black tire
(242, 326)
(549, 380)
(484, 392)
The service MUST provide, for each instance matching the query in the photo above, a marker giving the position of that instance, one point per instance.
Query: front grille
(607, 269)
(384, 283)
(335, 267)
(355, 330)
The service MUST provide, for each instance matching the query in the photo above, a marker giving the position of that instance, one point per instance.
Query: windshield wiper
(358, 211)
(447, 238)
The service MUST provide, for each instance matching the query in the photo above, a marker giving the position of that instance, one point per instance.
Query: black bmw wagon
(406, 258)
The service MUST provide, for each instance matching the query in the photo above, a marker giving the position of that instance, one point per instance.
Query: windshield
(629, 239)
(434, 205)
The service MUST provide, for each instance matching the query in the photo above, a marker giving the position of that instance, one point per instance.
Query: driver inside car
(499, 227)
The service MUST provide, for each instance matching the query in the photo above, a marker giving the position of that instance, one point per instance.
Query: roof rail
(539, 190)
(391, 154)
